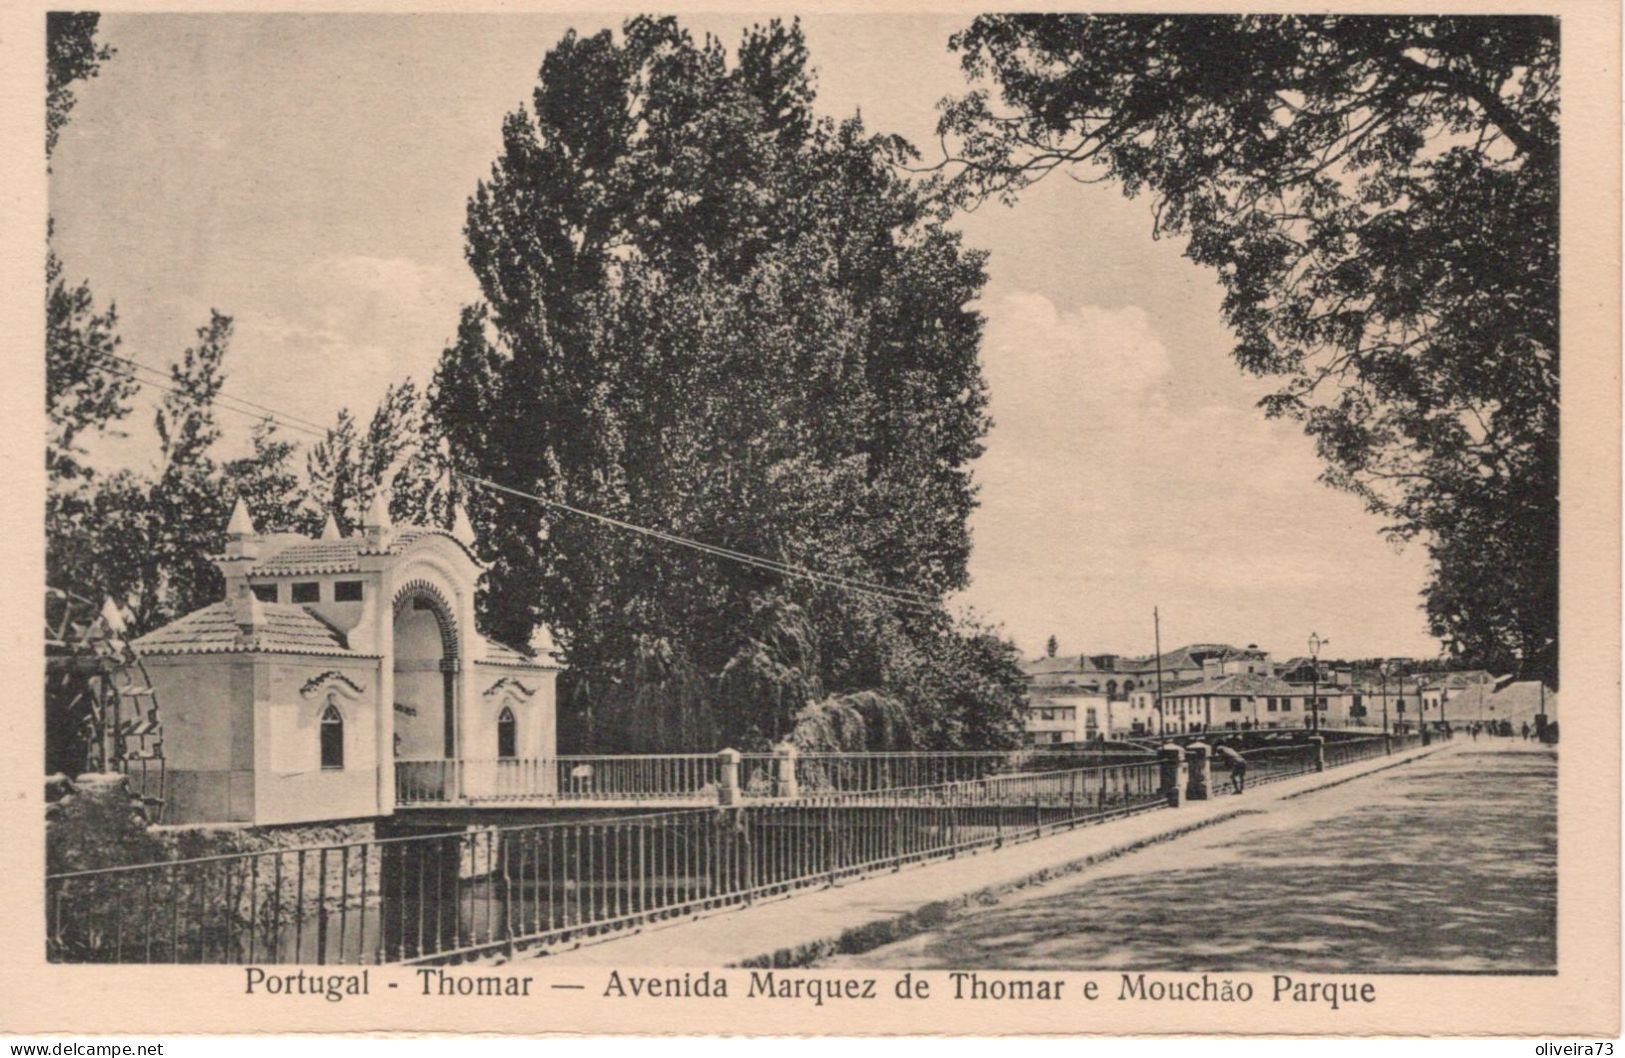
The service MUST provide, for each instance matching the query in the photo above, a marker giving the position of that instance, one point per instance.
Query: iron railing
(699, 777)
(443, 896)
(437, 896)
(653, 777)
(818, 773)
(1350, 750)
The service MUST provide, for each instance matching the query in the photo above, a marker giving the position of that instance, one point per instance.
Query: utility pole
(1156, 625)
(1315, 643)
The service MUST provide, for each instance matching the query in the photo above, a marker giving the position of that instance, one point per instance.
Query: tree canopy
(1378, 196)
(708, 311)
(72, 53)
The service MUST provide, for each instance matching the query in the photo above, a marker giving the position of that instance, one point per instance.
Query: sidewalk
(860, 914)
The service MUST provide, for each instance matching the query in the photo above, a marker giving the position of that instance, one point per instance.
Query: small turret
(330, 528)
(376, 525)
(241, 536)
(243, 546)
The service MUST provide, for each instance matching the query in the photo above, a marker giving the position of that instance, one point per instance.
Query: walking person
(1238, 767)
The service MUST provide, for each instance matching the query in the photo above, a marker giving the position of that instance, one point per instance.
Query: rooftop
(297, 556)
(1060, 663)
(282, 629)
(1244, 683)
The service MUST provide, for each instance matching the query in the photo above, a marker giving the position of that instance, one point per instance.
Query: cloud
(1119, 473)
(343, 330)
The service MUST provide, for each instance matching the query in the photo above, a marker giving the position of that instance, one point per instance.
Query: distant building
(1234, 662)
(1085, 674)
(1308, 670)
(1455, 697)
(1185, 663)
(1518, 702)
(1204, 686)
(1048, 722)
(1241, 701)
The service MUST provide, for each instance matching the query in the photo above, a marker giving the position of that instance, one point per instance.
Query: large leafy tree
(708, 311)
(1378, 196)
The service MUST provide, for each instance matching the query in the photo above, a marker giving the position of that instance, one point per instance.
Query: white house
(329, 658)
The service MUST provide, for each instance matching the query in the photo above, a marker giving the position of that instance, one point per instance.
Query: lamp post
(1315, 643)
(1401, 704)
(1383, 669)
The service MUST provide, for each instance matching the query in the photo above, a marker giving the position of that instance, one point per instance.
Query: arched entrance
(425, 649)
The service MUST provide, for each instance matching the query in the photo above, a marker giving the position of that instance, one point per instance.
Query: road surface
(1445, 865)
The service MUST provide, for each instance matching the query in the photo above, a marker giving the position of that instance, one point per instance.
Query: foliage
(708, 311)
(71, 54)
(399, 452)
(147, 538)
(85, 389)
(964, 684)
(1378, 196)
(95, 821)
(267, 480)
(854, 721)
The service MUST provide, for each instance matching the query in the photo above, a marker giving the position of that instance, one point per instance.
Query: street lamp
(1315, 643)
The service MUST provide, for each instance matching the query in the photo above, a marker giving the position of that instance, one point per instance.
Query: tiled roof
(1063, 663)
(211, 630)
(1169, 684)
(1458, 680)
(338, 556)
(1245, 683)
(1182, 658)
(502, 654)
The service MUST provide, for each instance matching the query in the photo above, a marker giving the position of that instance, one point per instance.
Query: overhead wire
(897, 596)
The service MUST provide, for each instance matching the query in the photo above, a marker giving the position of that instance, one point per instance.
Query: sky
(307, 175)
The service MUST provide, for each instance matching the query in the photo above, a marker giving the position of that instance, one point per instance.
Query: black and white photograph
(1053, 510)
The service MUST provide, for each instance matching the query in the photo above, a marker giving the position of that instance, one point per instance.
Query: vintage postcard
(774, 520)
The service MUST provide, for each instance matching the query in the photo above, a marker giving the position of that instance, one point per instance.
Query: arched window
(507, 734)
(332, 737)
(1111, 689)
